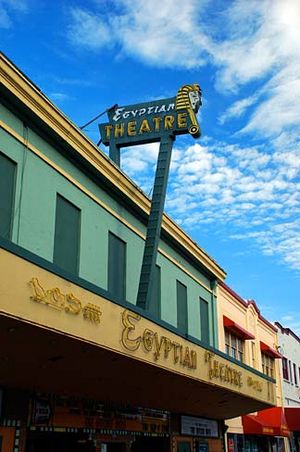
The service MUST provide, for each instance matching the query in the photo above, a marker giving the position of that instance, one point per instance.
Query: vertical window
(204, 321)
(182, 315)
(295, 374)
(116, 266)
(285, 370)
(67, 235)
(234, 346)
(155, 293)
(240, 349)
(7, 193)
(290, 369)
(267, 365)
(227, 342)
(253, 354)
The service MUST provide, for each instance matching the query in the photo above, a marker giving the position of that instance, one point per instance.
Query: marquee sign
(148, 122)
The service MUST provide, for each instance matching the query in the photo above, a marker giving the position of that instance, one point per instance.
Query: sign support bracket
(155, 221)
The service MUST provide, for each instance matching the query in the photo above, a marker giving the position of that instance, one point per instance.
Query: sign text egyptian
(159, 346)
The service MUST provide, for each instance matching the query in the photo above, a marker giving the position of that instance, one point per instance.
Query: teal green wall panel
(37, 186)
(11, 120)
(37, 203)
(169, 274)
(175, 255)
(8, 169)
(94, 245)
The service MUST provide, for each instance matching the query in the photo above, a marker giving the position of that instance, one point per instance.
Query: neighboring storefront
(292, 415)
(289, 344)
(85, 366)
(251, 339)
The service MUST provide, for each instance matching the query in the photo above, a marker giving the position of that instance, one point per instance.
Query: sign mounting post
(157, 121)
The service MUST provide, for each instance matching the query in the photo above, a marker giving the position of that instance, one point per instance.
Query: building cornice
(287, 331)
(246, 304)
(29, 95)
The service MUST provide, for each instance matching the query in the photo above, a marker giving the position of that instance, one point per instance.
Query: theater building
(251, 339)
(83, 368)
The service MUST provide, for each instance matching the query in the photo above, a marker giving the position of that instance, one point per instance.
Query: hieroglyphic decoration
(68, 303)
(189, 98)
(92, 313)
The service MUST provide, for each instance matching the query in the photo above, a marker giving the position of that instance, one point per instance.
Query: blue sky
(236, 191)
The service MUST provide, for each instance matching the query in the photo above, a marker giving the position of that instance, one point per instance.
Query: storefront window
(267, 365)
(285, 370)
(234, 346)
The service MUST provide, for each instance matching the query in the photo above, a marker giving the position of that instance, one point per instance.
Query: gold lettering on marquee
(169, 121)
(181, 120)
(144, 127)
(119, 130)
(108, 129)
(160, 346)
(222, 372)
(131, 128)
(255, 384)
(68, 303)
(129, 327)
(157, 120)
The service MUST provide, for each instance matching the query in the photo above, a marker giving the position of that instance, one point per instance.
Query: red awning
(292, 416)
(237, 329)
(270, 422)
(269, 350)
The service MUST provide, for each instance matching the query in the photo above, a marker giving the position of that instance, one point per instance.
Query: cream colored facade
(247, 315)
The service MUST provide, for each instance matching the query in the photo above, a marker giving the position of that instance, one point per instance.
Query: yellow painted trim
(28, 294)
(87, 192)
(24, 90)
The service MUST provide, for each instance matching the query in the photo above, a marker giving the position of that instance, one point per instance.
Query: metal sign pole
(152, 122)
(155, 220)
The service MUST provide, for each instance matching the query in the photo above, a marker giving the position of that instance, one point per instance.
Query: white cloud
(7, 10)
(88, 29)
(244, 191)
(238, 108)
(253, 190)
(59, 97)
(259, 40)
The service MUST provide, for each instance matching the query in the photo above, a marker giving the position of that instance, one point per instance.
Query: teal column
(155, 220)
(214, 314)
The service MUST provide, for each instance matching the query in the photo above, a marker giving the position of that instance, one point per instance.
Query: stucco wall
(43, 171)
(290, 349)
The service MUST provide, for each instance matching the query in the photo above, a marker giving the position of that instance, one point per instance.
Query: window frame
(285, 369)
(57, 242)
(295, 374)
(268, 365)
(234, 346)
(182, 307)
(204, 321)
(111, 287)
(13, 187)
